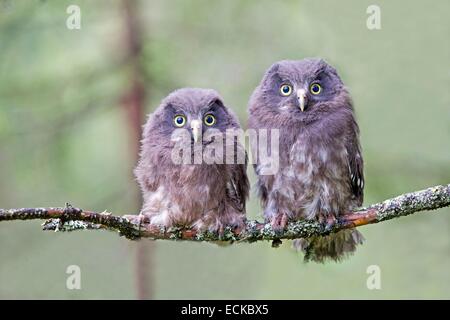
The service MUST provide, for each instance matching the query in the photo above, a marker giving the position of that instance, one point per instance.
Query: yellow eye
(315, 88)
(286, 89)
(179, 120)
(209, 120)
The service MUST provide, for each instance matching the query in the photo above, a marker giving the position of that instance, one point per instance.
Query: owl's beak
(302, 99)
(196, 127)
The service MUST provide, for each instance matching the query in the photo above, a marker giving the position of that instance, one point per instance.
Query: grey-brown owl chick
(194, 193)
(320, 172)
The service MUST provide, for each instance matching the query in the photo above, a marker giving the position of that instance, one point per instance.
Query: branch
(134, 227)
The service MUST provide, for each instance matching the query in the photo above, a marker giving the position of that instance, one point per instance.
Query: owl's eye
(209, 120)
(286, 89)
(315, 88)
(179, 120)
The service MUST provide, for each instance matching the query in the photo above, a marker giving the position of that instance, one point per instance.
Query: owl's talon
(284, 220)
(321, 219)
(279, 222)
(221, 231)
(331, 222)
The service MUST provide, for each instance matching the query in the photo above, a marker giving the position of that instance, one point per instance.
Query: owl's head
(301, 89)
(194, 109)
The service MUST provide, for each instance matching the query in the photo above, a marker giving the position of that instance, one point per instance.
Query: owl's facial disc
(196, 128)
(302, 99)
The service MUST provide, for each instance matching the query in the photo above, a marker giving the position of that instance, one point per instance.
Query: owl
(204, 195)
(320, 172)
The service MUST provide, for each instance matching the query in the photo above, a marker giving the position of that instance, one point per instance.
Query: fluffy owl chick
(191, 192)
(320, 172)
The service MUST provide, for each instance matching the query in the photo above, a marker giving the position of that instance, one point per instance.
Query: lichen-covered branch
(135, 227)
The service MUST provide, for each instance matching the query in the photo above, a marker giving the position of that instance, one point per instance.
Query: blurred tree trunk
(133, 104)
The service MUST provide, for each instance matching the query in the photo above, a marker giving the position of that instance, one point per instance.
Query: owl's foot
(221, 230)
(138, 219)
(236, 225)
(133, 218)
(329, 221)
(219, 226)
(279, 222)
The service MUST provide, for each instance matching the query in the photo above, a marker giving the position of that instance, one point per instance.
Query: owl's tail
(335, 246)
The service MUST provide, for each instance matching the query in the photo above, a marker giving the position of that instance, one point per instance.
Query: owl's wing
(238, 186)
(356, 166)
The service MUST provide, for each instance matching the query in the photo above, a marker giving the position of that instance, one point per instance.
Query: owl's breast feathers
(322, 177)
(320, 172)
(197, 194)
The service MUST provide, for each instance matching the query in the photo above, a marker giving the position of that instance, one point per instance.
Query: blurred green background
(71, 105)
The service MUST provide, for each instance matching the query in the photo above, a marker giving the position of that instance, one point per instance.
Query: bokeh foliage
(63, 137)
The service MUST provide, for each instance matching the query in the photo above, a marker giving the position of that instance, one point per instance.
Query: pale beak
(196, 127)
(301, 96)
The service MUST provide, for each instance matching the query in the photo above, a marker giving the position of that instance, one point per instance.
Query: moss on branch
(134, 227)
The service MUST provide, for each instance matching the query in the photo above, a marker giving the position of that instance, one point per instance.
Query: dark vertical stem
(134, 98)
(133, 104)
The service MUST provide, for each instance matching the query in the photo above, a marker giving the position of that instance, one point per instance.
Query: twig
(135, 227)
